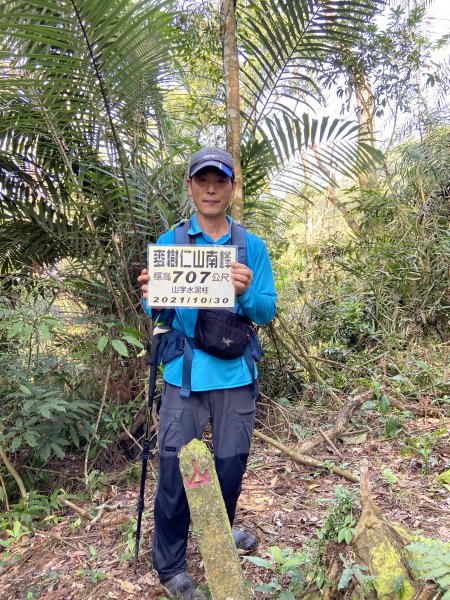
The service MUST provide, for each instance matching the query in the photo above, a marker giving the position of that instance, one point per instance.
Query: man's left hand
(241, 277)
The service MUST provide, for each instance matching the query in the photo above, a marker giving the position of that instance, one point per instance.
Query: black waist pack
(223, 333)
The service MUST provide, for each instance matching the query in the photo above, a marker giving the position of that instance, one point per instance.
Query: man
(221, 390)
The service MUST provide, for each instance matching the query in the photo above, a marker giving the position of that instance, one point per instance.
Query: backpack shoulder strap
(181, 233)
(239, 239)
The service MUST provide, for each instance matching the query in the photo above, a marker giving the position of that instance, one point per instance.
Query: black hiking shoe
(245, 542)
(182, 586)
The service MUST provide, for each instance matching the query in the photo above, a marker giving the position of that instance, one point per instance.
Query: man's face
(211, 191)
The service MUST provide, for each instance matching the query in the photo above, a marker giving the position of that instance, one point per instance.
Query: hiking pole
(153, 362)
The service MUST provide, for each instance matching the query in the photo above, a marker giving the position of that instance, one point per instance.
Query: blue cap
(211, 157)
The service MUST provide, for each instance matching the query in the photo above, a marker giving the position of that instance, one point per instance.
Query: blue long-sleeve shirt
(258, 303)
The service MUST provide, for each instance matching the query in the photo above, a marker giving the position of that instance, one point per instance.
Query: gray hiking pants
(232, 414)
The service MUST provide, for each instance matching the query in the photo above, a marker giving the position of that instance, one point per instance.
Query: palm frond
(80, 106)
(295, 156)
(283, 44)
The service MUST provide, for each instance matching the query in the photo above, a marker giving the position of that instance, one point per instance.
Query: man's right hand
(143, 280)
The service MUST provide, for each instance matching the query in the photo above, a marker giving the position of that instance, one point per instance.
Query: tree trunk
(332, 197)
(211, 525)
(379, 547)
(231, 74)
(382, 548)
(366, 117)
(303, 459)
(366, 108)
(342, 208)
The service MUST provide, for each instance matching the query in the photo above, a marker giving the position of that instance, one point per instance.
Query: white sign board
(190, 276)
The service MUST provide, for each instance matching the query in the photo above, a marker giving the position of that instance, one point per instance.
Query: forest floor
(283, 503)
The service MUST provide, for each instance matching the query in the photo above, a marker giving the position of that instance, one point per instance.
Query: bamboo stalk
(102, 406)
(5, 493)
(302, 357)
(14, 473)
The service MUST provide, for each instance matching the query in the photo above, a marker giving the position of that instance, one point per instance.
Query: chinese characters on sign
(191, 276)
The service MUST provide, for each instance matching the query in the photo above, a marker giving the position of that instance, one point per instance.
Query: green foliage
(392, 422)
(291, 571)
(75, 525)
(353, 572)
(45, 422)
(393, 56)
(348, 320)
(129, 535)
(339, 526)
(97, 481)
(119, 344)
(388, 284)
(288, 578)
(340, 521)
(284, 44)
(389, 476)
(94, 576)
(21, 519)
(44, 408)
(423, 446)
(108, 332)
(37, 507)
(52, 367)
(110, 161)
(115, 60)
(432, 562)
(316, 141)
(410, 239)
(100, 106)
(14, 534)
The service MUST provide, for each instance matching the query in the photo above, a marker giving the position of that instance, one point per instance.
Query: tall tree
(279, 47)
(90, 162)
(232, 98)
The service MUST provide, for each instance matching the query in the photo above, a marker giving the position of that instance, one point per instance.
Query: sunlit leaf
(102, 342)
(119, 347)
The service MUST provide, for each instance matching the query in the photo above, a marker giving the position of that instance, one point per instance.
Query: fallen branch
(83, 513)
(334, 363)
(341, 422)
(88, 514)
(345, 414)
(52, 536)
(130, 435)
(137, 423)
(101, 509)
(420, 411)
(325, 436)
(306, 460)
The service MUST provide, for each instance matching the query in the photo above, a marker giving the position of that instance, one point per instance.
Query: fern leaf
(444, 582)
